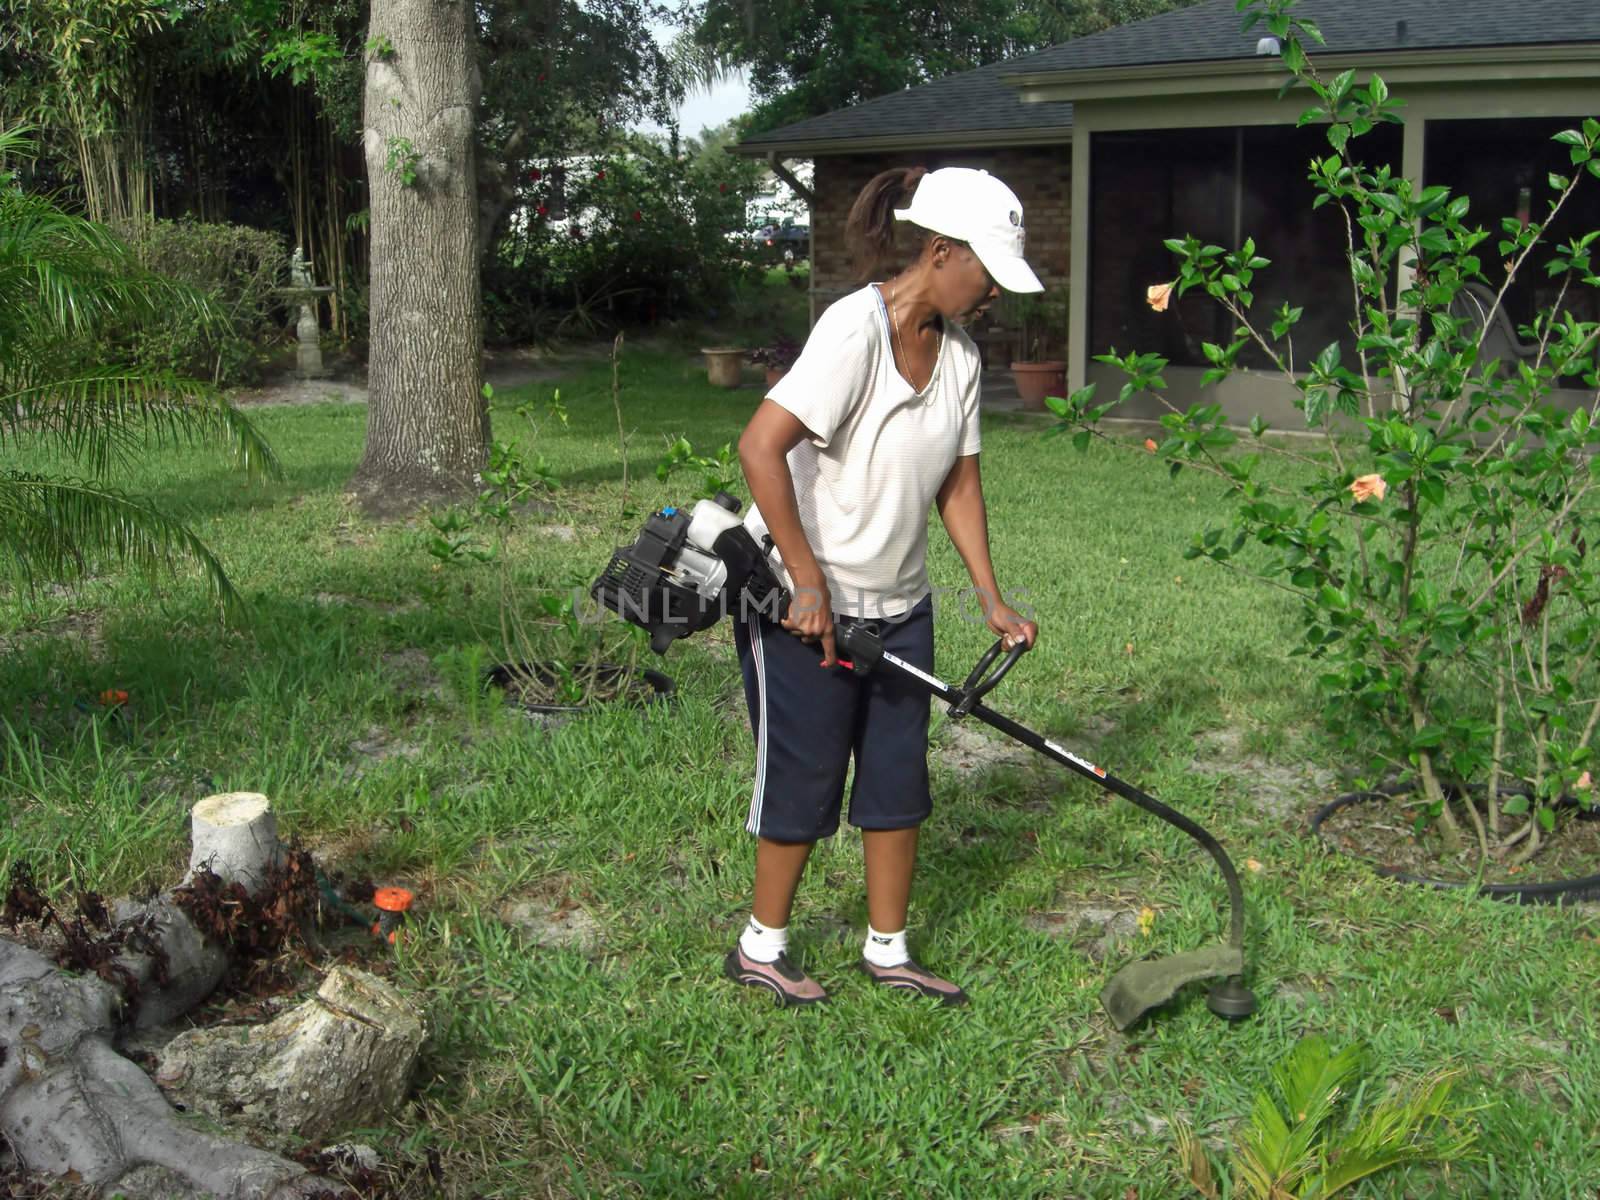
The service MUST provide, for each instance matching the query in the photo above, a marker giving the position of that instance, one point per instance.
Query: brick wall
(1041, 176)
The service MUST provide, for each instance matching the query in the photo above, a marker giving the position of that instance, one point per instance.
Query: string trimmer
(689, 568)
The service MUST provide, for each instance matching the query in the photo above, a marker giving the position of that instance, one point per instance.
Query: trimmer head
(1141, 986)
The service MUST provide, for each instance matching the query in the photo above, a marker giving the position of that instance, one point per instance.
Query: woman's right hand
(810, 616)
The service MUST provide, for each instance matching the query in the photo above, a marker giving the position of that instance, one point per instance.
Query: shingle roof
(1211, 31)
(982, 102)
(972, 101)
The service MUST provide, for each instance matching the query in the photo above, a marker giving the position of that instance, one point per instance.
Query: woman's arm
(764, 454)
(965, 518)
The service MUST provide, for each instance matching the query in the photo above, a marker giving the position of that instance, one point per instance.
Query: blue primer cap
(669, 511)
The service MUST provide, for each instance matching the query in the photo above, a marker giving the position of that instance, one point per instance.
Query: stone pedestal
(308, 355)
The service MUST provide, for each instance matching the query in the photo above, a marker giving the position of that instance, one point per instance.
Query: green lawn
(622, 1063)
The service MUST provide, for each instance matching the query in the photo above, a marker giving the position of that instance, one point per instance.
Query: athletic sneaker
(913, 977)
(789, 985)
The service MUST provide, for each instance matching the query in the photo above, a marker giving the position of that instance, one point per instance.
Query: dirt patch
(1304, 992)
(501, 370)
(378, 746)
(296, 392)
(1383, 832)
(563, 924)
(1096, 927)
(86, 625)
(412, 673)
(968, 748)
(1283, 792)
(338, 599)
(551, 914)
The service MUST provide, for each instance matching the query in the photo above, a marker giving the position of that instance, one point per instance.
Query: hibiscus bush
(1436, 529)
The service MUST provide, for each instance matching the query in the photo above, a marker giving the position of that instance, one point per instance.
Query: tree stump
(235, 834)
(69, 1103)
(341, 1060)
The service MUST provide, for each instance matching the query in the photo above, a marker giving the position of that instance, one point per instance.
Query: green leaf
(1428, 737)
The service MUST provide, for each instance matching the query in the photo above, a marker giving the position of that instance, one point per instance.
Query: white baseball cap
(976, 208)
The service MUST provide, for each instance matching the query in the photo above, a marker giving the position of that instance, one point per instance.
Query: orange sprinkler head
(392, 899)
(392, 903)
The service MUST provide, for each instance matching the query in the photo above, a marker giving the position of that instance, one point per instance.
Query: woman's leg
(889, 801)
(891, 856)
(779, 866)
(802, 717)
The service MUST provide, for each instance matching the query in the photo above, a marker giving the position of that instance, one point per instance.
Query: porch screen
(1503, 166)
(1221, 185)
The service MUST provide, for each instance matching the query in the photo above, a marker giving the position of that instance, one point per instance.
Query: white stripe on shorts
(753, 823)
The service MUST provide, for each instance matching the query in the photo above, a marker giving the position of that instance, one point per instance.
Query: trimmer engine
(687, 570)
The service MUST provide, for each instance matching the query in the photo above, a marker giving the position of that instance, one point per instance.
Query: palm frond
(1419, 1124)
(75, 274)
(55, 527)
(103, 415)
(17, 142)
(1311, 1080)
(693, 67)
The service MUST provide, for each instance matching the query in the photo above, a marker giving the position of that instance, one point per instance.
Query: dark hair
(869, 231)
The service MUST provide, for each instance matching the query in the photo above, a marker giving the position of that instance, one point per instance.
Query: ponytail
(869, 230)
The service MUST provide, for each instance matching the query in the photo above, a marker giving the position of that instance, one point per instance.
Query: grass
(630, 1067)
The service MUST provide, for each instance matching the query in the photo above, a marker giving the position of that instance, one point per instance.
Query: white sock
(885, 949)
(761, 943)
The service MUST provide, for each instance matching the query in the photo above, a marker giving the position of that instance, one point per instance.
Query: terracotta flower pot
(1036, 380)
(724, 365)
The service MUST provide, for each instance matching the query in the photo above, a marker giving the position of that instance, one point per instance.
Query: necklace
(899, 338)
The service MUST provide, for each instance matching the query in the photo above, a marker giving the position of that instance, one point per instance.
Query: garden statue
(303, 290)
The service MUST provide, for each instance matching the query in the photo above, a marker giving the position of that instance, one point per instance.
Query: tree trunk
(427, 422)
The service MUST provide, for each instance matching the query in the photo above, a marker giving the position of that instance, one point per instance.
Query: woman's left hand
(1011, 625)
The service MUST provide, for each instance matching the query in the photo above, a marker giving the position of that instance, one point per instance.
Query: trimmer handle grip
(862, 641)
(978, 685)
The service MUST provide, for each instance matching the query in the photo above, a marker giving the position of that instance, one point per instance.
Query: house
(1175, 125)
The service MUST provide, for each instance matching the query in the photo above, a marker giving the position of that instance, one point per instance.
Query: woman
(876, 422)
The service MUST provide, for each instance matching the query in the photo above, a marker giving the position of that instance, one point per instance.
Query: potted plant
(723, 365)
(777, 357)
(1042, 369)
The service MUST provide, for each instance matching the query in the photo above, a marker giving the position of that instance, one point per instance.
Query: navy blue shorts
(809, 722)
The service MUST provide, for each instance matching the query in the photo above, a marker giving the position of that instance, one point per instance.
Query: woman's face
(963, 288)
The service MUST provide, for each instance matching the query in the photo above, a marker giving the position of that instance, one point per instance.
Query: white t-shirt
(867, 479)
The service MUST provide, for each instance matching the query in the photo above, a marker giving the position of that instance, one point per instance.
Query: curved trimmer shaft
(1139, 986)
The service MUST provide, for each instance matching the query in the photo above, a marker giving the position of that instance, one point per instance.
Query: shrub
(236, 267)
(1441, 562)
(637, 236)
